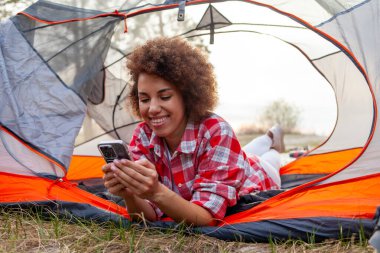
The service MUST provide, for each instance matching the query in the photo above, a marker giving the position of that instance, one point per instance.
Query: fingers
(106, 168)
(136, 181)
(108, 175)
(111, 182)
(118, 190)
(139, 179)
(128, 176)
(143, 167)
(142, 190)
(135, 172)
(146, 163)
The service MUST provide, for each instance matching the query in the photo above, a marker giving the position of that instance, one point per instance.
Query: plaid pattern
(209, 168)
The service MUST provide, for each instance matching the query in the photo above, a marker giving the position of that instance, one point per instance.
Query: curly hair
(184, 66)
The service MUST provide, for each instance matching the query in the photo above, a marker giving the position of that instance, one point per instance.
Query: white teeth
(158, 121)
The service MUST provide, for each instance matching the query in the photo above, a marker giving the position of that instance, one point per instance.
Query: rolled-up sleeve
(138, 146)
(220, 172)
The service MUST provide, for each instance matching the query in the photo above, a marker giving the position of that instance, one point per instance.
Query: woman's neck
(173, 143)
(174, 140)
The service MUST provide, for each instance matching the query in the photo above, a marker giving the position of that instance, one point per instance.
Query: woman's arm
(139, 208)
(180, 209)
(141, 179)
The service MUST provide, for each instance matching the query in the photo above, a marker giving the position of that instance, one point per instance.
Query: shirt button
(179, 185)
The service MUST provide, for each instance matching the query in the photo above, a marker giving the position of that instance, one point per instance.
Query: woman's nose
(154, 106)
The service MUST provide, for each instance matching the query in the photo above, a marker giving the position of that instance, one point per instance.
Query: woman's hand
(137, 206)
(139, 178)
(112, 184)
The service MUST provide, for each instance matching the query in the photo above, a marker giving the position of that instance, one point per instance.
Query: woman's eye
(165, 98)
(144, 100)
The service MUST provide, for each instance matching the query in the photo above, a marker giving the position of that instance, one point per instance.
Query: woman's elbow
(205, 219)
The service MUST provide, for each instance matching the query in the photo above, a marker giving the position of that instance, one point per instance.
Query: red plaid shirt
(208, 168)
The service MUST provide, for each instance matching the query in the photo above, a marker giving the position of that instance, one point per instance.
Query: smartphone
(115, 149)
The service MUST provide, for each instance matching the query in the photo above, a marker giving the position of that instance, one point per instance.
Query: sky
(253, 72)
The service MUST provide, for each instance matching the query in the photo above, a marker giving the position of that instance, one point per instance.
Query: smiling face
(161, 106)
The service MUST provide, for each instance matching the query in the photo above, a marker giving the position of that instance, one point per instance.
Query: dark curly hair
(184, 66)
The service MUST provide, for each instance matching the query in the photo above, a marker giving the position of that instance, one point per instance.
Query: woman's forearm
(180, 209)
(139, 208)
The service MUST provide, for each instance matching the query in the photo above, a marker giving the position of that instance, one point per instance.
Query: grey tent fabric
(36, 105)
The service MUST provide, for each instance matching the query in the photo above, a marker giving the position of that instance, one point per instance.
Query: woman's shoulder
(215, 123)
(213, 118)
(142, 128)
(143, 133)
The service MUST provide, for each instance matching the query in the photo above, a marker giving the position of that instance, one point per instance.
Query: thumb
(128, 192)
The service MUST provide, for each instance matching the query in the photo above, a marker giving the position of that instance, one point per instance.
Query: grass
(22, 231)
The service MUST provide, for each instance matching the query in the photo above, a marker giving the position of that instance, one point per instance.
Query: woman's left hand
(139, 177)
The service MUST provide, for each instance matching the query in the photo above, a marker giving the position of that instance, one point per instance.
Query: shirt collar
(187, 145)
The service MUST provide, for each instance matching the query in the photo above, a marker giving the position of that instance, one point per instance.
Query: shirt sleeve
(220, 170)
(139, 144)
(139, 149)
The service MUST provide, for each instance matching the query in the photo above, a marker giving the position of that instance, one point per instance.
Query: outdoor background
(252, 77)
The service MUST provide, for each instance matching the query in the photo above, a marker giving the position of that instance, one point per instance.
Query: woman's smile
(159, 121)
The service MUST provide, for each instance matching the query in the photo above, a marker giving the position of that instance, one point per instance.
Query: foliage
(280, 112)
(250, 129)
(159, 23)
(11, 7)
(149, 26)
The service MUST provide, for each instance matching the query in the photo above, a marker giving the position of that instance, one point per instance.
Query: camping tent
(64, 86)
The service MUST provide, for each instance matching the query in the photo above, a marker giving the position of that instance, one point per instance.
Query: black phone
(114, 149)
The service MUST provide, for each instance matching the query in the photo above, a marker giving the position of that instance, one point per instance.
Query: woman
(188, 164)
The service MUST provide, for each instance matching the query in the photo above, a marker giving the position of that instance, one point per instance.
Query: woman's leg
(271, 163)
(273, 158)
(269, 158)
(263, 147)
(258, 146)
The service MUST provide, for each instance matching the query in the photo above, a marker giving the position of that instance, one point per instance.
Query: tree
(11, 7)
(280, 112)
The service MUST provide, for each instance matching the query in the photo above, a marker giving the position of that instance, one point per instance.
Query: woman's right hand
(112, 184)
(135, 205)
(139, 177)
